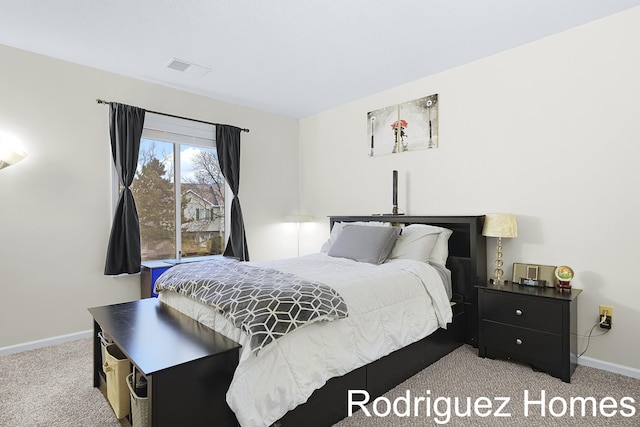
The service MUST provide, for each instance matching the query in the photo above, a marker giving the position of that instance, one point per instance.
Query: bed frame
(468, 264)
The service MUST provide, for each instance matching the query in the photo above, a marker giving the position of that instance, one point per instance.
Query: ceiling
(291, 57)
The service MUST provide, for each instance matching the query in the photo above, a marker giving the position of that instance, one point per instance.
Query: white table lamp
(499, 225)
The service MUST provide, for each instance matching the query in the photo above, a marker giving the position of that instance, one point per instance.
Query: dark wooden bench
(188, 367)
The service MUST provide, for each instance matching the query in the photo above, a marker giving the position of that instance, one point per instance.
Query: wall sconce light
(499, 225)
(9, 153)
(298, 219)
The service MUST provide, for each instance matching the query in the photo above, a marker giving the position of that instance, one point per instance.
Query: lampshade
(500, 225)
(298, 218)
(9, 155)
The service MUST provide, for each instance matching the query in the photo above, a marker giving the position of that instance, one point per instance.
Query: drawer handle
(518, 312)
(518, 341)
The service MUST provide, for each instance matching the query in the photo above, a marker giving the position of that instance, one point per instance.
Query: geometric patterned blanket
(263, 302)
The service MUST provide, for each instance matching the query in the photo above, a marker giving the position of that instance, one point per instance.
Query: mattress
(390, 306)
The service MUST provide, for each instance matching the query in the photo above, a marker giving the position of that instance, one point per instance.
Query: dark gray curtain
(228, 146)
(125, 127)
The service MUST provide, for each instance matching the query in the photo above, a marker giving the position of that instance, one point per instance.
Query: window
(182, 217)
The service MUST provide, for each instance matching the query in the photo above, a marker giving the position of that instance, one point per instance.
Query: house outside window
(182, 217)
(202, 221)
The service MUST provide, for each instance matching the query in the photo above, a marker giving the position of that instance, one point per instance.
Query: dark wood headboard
(467, 255)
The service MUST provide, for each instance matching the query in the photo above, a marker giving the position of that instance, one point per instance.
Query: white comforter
(390, 306)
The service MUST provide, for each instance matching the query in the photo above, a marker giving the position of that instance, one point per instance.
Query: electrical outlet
(606, 312)
(606, 309)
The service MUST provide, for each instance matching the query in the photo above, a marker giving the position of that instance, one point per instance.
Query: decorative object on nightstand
(298, 219)
(499, 225)
(564, 274)
(534, 275)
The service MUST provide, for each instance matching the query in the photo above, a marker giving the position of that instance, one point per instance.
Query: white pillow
(337, 229)
(441, 250)
(423, 242)
(415, 243)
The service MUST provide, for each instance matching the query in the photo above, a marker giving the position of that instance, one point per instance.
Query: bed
(381, 318)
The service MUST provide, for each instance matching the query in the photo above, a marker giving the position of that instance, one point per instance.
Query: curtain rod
(102, 101)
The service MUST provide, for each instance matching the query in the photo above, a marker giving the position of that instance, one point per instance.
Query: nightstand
(529, 324)
(151, 270)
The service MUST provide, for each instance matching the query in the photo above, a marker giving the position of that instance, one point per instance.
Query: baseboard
(610, 367)
(44, 342)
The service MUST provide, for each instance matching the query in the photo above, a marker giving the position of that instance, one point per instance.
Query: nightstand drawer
(525, 344)
(533, 313)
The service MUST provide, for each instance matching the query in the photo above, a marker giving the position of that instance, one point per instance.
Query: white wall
(55, 212)
(548, 131)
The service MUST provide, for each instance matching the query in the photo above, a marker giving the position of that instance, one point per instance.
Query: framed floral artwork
(409, 126)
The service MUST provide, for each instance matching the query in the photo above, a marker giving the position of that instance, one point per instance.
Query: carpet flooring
(463, 374)
(52, 387)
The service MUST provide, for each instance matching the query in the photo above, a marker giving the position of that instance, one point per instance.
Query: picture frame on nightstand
(534, 274)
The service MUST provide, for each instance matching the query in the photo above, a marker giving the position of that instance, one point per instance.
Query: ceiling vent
(188, 67)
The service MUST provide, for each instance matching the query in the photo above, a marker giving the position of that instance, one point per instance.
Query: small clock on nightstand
(564, 275)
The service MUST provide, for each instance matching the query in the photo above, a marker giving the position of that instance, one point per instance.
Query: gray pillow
(364, 244)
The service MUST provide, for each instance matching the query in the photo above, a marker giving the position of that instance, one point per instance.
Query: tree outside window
(199, 215)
